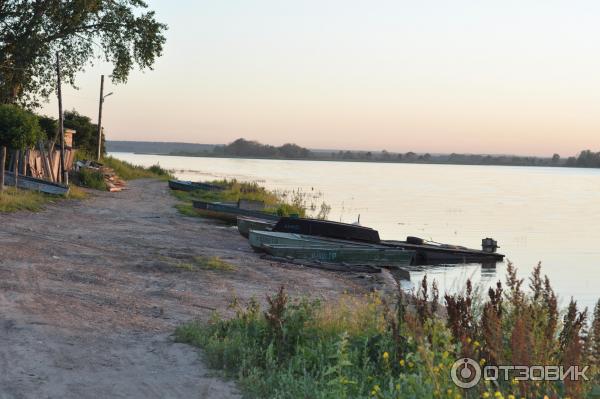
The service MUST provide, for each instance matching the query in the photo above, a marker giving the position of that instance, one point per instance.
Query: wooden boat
(245, 224)
(231, 212)
(183, 185)
(258, 239)
(326, 228)
(31, 183)
(425, 253)
(343, 254)
(429, 253)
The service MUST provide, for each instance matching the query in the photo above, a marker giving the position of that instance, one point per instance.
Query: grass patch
(91, 179)
(128, 171)
(368, 347)
(282, 204)
(213, 263)
(205, 263)
(76, 193)
(12, 200)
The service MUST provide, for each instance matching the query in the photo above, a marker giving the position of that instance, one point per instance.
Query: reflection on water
(550, 215)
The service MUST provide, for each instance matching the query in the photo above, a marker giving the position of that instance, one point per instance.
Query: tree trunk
(2, 163)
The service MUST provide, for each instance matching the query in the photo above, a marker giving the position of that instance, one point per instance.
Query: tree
(555, 159)
(122, 32)
(19, 129)
(86, 138)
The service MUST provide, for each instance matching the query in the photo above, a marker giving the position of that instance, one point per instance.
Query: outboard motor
(489, 245)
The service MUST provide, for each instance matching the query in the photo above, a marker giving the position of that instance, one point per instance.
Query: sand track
(90, 295)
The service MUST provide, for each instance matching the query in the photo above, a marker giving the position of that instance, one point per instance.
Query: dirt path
(90, 295)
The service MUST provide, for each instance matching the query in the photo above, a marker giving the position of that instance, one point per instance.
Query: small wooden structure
(42, 162)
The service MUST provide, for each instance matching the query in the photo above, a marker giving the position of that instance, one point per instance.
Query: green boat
(258, 239)
(245, 224)
(343, 254)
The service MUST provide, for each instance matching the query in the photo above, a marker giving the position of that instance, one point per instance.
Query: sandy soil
(90, 295)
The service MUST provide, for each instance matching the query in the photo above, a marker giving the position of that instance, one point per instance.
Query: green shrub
(91, 179)
(359, 347)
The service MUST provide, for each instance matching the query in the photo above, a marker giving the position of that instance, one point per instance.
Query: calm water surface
(548, 215)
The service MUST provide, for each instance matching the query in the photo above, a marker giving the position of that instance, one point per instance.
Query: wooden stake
(2, 163)
(61, 126)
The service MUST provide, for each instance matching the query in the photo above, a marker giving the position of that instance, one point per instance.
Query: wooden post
(45, 162)
(100, 118)
(16, 172)
(2, 163)
(61, 126)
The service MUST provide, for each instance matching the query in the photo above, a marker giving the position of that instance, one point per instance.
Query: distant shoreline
(248, 149)
(348, 160)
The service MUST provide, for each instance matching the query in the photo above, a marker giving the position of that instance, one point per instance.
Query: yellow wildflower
(401, 362)
(486, 395)
(386, 356)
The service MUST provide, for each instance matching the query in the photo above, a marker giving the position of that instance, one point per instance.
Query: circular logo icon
(465, 373)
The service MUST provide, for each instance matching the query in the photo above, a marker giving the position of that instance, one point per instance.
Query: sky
(510, 77)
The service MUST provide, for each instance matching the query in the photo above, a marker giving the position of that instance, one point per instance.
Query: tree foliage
(86, 138)
(245, 148)
(121, 32)
(19, 128)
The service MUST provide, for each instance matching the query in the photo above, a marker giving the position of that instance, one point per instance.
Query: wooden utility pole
(2, 163)
(100, 117)
(61, 126)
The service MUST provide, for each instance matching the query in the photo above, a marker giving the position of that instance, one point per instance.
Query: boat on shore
(326, 228)
(184, 185)
(33, 184)
(332, 253)
(231, 211)
(426, 253)
(258, 239)
(245, 224)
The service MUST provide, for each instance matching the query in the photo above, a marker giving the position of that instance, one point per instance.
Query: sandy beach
(91, 292)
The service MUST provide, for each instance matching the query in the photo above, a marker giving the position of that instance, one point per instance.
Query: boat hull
(182, 185)
(245, 224)
(427, 254)
(341, 254)
(31, 183)
(230, 212)
(325, 228)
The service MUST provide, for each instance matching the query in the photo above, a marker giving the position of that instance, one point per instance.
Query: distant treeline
(253, 149)
(249, 148)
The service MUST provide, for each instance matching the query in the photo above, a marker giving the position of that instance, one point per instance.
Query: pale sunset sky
(518, 77)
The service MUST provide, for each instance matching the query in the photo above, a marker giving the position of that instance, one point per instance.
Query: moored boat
(183, 185)
(258, 239)
(231, 211)
(429, 253)
(31, 183)
(326, 228)
(343, 254)
(245, 224)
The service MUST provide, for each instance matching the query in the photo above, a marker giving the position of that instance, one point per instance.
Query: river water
(548, 215)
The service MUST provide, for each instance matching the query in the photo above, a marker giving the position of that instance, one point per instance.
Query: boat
(183, 185)
(326, 228)
(343, 254)
(245, 224)
(432, 253)
(426, 253)
(230, 211)
(258, 239)
(34, 184)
